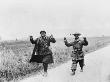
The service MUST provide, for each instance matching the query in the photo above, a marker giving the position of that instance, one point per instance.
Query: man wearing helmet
(77, 53)
(42, 47)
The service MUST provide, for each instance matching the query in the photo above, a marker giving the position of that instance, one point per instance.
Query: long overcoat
(42, 47)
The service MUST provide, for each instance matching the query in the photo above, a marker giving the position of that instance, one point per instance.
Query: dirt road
(97, 69)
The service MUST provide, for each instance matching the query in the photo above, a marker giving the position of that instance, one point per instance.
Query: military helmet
(42, 31)
(76, 33)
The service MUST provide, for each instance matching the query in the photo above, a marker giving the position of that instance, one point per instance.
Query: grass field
(15, 56)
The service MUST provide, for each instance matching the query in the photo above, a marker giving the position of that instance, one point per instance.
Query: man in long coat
(77, 53)
(42, 47)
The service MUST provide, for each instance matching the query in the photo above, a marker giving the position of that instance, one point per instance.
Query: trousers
(75, 62)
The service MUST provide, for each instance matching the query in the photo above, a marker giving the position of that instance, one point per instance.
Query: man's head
(43, 33)
(76, 35)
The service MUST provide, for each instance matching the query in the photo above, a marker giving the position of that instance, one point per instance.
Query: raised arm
(52, 39)
(85, 42)
(32, 41)
(66, 43)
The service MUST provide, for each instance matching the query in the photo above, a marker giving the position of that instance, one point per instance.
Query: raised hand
(84, 38)
(51, 36)
(31, 37)
(65, 39)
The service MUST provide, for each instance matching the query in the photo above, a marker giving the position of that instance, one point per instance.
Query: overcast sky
(21, 18)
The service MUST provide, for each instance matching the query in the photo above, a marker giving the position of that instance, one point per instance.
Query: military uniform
(42, 47)
(77, 53)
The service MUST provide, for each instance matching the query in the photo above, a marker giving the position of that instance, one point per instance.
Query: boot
(45, 74)
(73, 72)
(81, 70)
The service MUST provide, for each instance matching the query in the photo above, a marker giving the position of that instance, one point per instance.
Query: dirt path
(97, 69)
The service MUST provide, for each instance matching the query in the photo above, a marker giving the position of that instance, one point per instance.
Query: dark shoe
(81, 70)
(45, 74)
(73, 72)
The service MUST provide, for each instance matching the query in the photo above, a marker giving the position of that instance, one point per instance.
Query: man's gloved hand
(31, 37)
(84, 38)
(65, 39)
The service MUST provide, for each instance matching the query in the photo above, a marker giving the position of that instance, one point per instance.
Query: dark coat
(42, 48)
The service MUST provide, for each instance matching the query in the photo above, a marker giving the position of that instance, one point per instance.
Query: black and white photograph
(54, 40)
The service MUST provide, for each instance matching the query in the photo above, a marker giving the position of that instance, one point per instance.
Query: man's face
(76, 36)
(43, 34)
